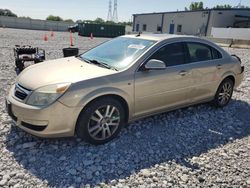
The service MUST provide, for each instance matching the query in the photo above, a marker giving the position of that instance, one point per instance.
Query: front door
(156, 90)
(171, 29)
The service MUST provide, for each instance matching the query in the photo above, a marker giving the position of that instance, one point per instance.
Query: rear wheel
(101, 121)
(224, 93)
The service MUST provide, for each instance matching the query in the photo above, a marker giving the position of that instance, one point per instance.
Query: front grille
(21, 92)
(20, 95)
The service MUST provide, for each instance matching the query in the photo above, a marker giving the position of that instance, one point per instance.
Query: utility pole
(239, 5)
(115, 13)
(109, 18)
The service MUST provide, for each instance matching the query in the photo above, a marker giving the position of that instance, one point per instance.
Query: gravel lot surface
(198, 146)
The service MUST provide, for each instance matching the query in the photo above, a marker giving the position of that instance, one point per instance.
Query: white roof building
(191, 22)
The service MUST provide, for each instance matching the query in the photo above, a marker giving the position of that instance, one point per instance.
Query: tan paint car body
(145, 93)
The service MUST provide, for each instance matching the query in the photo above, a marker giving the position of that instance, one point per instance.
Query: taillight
(242, 69)
(237, 57)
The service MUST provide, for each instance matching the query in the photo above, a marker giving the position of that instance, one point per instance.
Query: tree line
(102, 21)
(96, 21)
(7, 12)
(200, 6)
(58, 18)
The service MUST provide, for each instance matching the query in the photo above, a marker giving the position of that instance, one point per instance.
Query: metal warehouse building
(191, 22)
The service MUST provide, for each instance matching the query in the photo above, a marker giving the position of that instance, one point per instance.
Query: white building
(191, 22)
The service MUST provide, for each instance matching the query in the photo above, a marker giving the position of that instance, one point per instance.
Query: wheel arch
(231, 78)
(216, 101)
(120, 96)
(82, 131)
(229, 75)
(114, 96)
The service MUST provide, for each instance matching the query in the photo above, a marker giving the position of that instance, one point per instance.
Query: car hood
(65, 70)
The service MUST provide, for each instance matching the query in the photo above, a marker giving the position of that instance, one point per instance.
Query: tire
(19, 65)
(224, 93)
(96, 126)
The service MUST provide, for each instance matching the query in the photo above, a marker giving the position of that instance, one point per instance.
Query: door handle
(183, 73)
(219, 66)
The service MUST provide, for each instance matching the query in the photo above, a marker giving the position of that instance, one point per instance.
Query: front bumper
(56, 120)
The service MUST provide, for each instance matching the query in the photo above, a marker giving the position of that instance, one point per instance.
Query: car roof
(158, 37)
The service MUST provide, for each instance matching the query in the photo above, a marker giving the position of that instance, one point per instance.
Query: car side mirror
(155, 64)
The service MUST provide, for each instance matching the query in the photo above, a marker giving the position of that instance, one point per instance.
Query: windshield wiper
(85, 59)
(95, 62)
(105, 65)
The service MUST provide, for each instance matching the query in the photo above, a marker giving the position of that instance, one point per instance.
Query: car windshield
(118, 53)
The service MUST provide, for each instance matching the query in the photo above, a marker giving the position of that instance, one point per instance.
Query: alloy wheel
(225, 93)
(104, 122)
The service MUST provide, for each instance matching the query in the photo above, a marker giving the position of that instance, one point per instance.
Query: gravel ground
(198, 146)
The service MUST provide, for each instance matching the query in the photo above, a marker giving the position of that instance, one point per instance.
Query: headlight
(47, 95)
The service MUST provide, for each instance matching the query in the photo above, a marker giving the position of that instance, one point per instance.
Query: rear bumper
(239, 77)
(57, 120)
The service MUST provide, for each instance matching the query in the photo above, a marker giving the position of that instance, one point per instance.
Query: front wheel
(224, 93)
(101, 121)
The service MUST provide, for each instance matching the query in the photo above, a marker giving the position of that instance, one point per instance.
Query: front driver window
(171, 54)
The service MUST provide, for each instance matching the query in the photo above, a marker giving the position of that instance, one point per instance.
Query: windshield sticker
(136, 46)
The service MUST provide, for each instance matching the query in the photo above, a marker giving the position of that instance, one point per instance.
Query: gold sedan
(127, 78)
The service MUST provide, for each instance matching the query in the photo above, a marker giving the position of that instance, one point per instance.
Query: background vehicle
(73, 28)
(122, 80)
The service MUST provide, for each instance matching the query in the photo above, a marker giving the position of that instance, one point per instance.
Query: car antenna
(139, 34)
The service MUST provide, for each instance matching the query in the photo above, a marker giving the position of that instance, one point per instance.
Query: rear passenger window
(216, 54)
(199, 52)
(171, 54)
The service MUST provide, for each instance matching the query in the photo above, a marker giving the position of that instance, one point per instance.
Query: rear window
(216, 54)
(202, 52)
(199, 52)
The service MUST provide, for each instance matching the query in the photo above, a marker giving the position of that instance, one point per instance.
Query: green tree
(223, 6)
(79, 21)
(243, 6)
(27, 17)
(88, 21)
(69, 20)
(7, 12)
(54, 18)
(196, 6)
(99, 20)
(125, 23)
(110, 22)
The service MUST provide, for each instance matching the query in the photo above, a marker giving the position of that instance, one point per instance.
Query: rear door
(204, 61)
